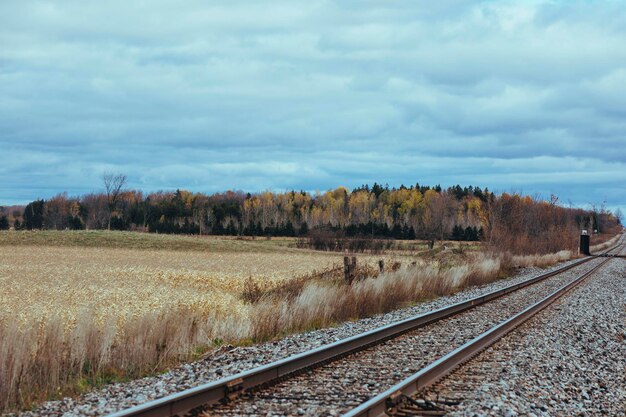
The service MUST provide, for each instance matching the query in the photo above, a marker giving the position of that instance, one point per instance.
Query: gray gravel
(229, 361)
(569, 360)
(344, 384)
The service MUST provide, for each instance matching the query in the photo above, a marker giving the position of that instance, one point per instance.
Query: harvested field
(126, 283)
(145, 241)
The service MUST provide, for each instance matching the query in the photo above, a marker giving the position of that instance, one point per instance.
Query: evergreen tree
(377, 190)
(33, 215)
(232, 229)
(457, 232)
(75, 223)
(396, 231)
(4, 223)
(470, 234)
(289, 230)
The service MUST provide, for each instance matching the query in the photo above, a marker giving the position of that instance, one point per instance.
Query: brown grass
(321, 304)
(142, 241)
(605, 243)
(47, 359)
(541, 261)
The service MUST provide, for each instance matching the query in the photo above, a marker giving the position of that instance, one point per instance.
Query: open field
(141, 241)
(125, 274)
(153, 241)
(82, 308)
(127, 282)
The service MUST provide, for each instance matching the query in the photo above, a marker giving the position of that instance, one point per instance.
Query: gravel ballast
(569, 360)
(229, 361)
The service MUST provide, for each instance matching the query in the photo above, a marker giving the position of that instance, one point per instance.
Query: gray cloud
(311, 95)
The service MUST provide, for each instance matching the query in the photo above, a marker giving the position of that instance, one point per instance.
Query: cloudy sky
(515, 96)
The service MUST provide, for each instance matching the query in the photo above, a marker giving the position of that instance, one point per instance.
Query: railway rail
(401, 400)
(248, 383)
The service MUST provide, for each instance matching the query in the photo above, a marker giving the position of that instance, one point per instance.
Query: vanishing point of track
(353, 375)
(400, 399)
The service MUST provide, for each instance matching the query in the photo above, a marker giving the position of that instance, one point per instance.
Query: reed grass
(605, 245)
(321, 304)
(541, 261)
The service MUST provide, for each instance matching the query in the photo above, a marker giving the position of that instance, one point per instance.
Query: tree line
(522, 223)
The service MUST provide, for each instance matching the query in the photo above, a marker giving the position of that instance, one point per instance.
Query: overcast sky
(515, 96)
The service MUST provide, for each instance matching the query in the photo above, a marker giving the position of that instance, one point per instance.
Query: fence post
(381, 266)
(346, 269)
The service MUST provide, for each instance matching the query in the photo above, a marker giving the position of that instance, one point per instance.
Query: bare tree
(113, 184)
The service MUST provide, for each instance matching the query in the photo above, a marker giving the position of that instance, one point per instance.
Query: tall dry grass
(544, 260)
(50, 359)
(321, 304)
(605, 245)
(541, 261)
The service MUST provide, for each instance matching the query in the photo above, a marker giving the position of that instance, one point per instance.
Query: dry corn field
(39, 282)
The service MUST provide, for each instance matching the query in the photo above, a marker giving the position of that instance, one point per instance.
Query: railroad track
(407, 397)
(362, 365)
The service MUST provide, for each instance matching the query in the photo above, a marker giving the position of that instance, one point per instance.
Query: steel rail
(230, 387)
(394, 396)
